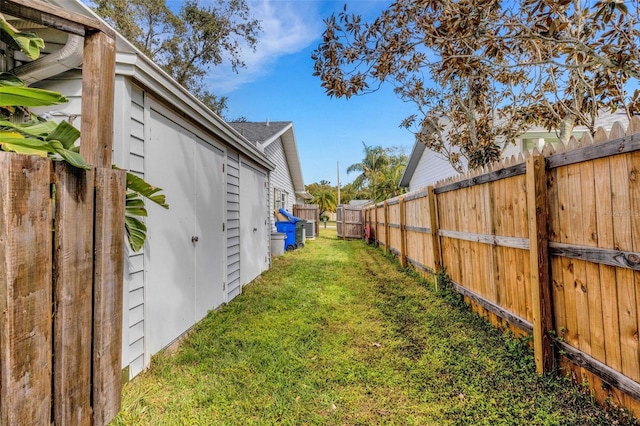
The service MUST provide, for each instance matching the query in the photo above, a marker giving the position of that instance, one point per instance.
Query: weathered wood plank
(73, 280)
(521, 230)
(403, 234)
(108, 293)
(515, 170)
(420, 229)
(436, 249)
(539, 260)
(608, 374)
(25, 290)
(621, 259)
(622, 241)
(591, 152)
(496, 240)
(51, 16)
(98, 83)
(576, 235)
(414, 195)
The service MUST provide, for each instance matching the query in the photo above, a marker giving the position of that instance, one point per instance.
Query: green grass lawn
(337, 334)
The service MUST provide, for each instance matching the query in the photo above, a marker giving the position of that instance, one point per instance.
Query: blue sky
(277, 85)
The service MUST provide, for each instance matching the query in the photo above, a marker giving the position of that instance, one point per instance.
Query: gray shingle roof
(259, 132)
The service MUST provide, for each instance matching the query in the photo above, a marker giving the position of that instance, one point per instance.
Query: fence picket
(108, 294)
(73, 278)
(25, 290)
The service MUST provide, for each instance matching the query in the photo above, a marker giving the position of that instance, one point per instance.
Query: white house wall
(233, 225)
(430, 169)
(279, 178)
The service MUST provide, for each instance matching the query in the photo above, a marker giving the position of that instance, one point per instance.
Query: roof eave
(412, 164)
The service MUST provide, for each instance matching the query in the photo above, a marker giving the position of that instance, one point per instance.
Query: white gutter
(67, 58)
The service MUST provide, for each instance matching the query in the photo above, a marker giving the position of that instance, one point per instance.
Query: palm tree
(371, 169)
(390, 186)
(325, 197)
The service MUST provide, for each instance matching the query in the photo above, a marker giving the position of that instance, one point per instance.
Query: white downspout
(67, 58)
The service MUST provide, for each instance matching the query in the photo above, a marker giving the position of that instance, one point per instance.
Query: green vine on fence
(23, 132)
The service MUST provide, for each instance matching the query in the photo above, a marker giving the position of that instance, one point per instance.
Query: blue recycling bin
(289, 229)
(298, 223)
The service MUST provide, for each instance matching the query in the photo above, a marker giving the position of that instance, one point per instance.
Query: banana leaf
(37, 129)
(65, 133)
(139, 185)
(28, 42)
(29, 97)
(136, 232)
(8, 79)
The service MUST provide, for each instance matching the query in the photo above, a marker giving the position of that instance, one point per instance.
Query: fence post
(435, 235)
(403, 236)
(375, 210)
(539, 259)
(386, 226)
(98, 82)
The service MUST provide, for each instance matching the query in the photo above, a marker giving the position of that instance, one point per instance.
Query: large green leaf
(136, 232)
(11, 80)
(29, 43)
(22, 145)
(139, 185)
(135, 205)
(65, 133)
(39, 129)
(29, 97)
(69, 156)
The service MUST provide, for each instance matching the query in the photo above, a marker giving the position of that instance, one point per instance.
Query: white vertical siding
(430, 169)
(136, 279)
(279, 178)
(233, 225)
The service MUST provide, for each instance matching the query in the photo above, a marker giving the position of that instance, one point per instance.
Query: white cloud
(288, 26)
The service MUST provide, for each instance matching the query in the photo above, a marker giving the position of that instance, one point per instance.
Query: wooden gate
(349, 221)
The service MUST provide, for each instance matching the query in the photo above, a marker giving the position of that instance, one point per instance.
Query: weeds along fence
(61, 257)
(547, 245)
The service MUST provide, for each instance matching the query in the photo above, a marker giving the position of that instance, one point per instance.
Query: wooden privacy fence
(310, 213)
(349, 221)
(547, 245)
(61, 257)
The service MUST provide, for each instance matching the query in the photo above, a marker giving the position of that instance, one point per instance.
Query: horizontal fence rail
(546, 244)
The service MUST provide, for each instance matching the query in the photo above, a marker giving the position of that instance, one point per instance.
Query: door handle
(194, 239)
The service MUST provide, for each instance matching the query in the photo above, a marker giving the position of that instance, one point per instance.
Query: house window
(279, 199)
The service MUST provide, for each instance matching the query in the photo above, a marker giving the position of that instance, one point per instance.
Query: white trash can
(277, 243)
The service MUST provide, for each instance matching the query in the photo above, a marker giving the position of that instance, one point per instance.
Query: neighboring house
(425, 167)
(361, 203)
(278, 142)
(196, 257)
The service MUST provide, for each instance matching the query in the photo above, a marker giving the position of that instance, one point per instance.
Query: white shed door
(186, 248)
(254, 238)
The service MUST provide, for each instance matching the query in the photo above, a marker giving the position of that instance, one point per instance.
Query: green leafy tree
(188, 43)
(324, 195)
(390, 185)
(371, 170)
(481, 71)
(380, 173)
(350, 192)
